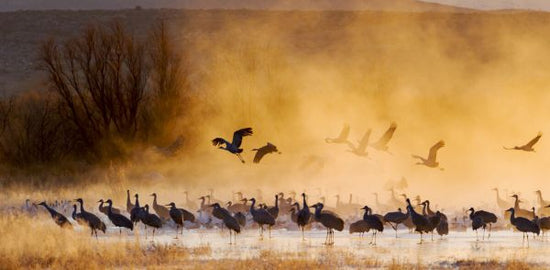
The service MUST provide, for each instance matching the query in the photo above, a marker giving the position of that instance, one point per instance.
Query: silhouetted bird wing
(433, 150)
(386, 137)
(264, 150)
(533, 141)
(344, 133)
(239, 134)
(219, 141)
(364, 141)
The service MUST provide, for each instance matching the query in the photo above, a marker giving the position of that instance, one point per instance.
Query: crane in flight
(361, 148)
(382, 143)
(527, 147)
(264, 150)
(432, 156)
(342, 138)
(234, 146)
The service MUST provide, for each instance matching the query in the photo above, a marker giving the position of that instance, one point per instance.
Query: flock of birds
(287, 213)
(235, 215)
(360, 149)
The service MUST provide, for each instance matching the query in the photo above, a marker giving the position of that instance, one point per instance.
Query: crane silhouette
(161, 211)
(262, 217)
(432, 156)
(229, 221)
(150, 220)
(382, 143)
(342, 137)
(421, 223)
(179, 215)
(58, 218)
(264, 150)
(105, 209)
(397, 218)
(92, 220)
(234, 146)
(528, 147)
(361, 148)
(330, 220)
(374, 223)
(117, 219)
(129, 205)
(523, 225)
(304, 215)
(480, 219)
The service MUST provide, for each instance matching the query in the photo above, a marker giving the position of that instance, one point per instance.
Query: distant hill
(378, 5)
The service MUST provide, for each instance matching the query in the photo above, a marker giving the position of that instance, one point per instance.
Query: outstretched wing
(387, 136)
(364, 141)
(533, 141)
(239, 134)
(433, 150)
(219, 141)
(344, 133)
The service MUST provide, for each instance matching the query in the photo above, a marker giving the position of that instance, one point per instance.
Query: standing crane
(480, 219)
(396, 218)
(58, 218)
(179, 215)
(304, 216)
(129, 205)
(374, 223)
(234, 146)
(92, 220)
(117, 219)
(420, 222)
(161, 211)
(229, 221)
(432, 156)
(523, 225)
(150, 220)
(330, 220)
(105, 209)
(262, 217)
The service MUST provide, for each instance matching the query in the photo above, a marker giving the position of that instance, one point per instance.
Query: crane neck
(154, 200)
(137, 202)
(82, 207)
(110, 208)
(74, 211)
(252, 210)
(513, 216)
(128, 201)
(276, 202)
(424, 209)
(304, 203)
(516, 203)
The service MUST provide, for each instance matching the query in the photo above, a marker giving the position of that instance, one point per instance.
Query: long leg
(241, 158)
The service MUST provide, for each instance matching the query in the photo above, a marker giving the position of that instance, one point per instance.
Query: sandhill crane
(264, 150)
(502, 204)
(241, 218)
(179, 215)
(161, 211)
(78, 217)
(262, 217)
(58, 218)
(129, 205)
(137, 212)
(304, 215)
(523, 225)
(519, 211)
(218, 211)
(342, 137)
(105, 209)
(190, 204)
(542, 203)
(420, 222)
(117, 219)
(274, 211)
(233, 147)
(374, 223)
(359, 226)
(151, 220)
(480, 219)
(361, 149)
(331, 221)
(433, 218)
(229, 221)
(395, 218)
(430, 212)
(527, 147)
(92, 220)
(432, 156)
(382, 143)
(238, 207)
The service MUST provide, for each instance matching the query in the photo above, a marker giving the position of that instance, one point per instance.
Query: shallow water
(503, 245)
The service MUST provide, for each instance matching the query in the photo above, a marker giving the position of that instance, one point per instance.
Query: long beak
(167, 205)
